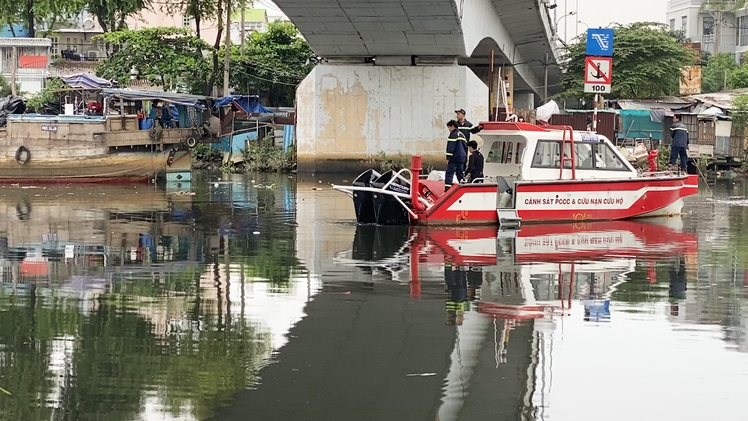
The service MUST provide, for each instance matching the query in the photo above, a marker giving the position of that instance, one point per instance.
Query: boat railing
(398, 176)
(396, 195)
(481, 179)
(572, 152)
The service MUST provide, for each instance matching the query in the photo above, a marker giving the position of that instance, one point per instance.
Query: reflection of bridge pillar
(347, 114)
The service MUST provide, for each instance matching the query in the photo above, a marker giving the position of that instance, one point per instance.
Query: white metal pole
(566, 22)
(594, 114)
(576, 27)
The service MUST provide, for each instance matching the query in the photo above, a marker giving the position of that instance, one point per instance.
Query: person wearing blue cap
(466, 127)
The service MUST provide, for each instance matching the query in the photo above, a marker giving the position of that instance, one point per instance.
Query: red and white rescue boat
(532, 174)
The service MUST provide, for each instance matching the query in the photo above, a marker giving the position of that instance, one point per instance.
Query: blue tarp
(18, 31)
(250, 104)
(287, 137)
(86, 81)
(238, 142)
(638, 124)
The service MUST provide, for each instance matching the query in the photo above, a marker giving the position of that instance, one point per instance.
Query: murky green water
(259, 298)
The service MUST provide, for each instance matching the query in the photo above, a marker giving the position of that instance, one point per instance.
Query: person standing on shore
(679, 145)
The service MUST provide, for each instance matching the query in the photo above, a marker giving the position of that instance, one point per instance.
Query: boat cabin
(526, 152)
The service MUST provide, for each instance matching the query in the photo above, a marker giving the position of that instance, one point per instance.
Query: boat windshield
(590, 156)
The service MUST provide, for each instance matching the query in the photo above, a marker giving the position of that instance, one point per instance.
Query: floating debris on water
(5, 391)
(420, 375)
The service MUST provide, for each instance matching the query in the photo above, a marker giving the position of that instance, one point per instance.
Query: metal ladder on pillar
(571, 159)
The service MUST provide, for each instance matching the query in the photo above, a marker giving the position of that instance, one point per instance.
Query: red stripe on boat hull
(659, 194)
(76, 180)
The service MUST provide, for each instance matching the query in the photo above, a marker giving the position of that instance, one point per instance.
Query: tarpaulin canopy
(639, 124)
(250, 104)
(195, 101)
(86, 81)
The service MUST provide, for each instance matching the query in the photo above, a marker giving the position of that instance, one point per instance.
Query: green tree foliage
(33, 12)
(647, 63)
(112, 14)
(198, 10)
(716, 72)
(272, 64)
(163, 55)
(738, 78)
(739, 114)
(5, 88)
(47, 94)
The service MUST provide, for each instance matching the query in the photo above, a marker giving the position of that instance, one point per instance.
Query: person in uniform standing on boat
(679, 145)
(475, 163)
(456, 154)
(465, 126)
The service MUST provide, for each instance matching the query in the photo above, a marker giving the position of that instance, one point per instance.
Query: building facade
(26, 61)
(255, 20)
(719, 25)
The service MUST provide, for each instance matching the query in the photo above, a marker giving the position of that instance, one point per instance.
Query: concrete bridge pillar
(348, 114)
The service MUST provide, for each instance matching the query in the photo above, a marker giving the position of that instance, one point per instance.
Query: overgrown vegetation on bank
(259, 156)
(265, 156)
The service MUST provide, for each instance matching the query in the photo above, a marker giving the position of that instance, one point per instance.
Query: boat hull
(532, 202)
(115, 168)
(539, 202)
(602, 200)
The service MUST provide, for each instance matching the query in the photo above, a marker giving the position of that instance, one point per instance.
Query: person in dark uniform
(475, 162)
(456, 155)
(456, 287)
(679, 145)
(465, 126)
(678, 285)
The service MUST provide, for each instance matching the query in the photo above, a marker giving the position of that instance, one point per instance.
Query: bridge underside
(433, 31)
(392, 77)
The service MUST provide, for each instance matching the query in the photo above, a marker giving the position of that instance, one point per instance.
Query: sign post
(598, 66)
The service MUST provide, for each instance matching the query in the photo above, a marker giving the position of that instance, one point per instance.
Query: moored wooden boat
(81, 149)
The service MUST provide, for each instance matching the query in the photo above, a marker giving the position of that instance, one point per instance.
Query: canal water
(258, 298)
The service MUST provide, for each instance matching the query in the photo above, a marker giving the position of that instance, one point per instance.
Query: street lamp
(572, 13)
(578, 22)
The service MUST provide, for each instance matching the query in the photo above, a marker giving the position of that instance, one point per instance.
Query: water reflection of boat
(505, 290)
(44, 229)
(545, 263)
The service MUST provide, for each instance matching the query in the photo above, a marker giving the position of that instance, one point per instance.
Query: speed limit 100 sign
(597, 74)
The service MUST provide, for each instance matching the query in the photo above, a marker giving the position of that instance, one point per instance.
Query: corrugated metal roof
(718, 99)
(639, 105)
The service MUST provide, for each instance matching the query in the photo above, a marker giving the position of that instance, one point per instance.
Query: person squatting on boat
(475, 163)
(456, 154)
(679, 145)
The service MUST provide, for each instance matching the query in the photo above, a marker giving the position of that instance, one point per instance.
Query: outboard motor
(387, 210)
(363, 202)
